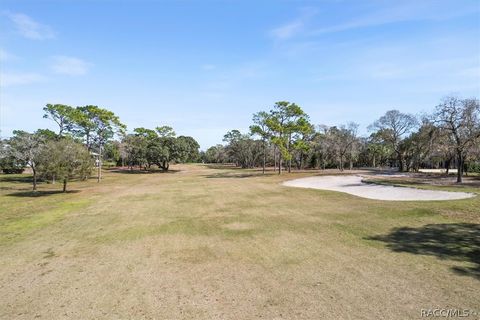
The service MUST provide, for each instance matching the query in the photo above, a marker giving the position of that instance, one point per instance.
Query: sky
(204, 67)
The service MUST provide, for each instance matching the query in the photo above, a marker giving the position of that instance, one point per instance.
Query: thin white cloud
(70, 66)
(288, 30)
(15, 79)
(294, 27)
(370, 21)
(401, 12)
(30, 28)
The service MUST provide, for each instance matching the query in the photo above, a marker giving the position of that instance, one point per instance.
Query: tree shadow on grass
(220, 166)
(453, 241)
(16, 178)
(137, 171)
(34, 194)
(353, 185)
(234, 175)
(394, 182)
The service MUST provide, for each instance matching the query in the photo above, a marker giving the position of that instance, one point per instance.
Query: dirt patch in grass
(238, 226)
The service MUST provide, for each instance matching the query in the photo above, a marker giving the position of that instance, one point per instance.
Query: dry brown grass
(223, 243)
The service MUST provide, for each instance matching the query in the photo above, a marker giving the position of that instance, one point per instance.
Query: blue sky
(204, 67)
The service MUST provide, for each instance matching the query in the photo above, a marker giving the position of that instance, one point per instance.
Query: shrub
(9, 165)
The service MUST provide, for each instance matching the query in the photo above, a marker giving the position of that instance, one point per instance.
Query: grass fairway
(222, 243)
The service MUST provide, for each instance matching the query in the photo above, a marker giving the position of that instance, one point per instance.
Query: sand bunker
(354, 185)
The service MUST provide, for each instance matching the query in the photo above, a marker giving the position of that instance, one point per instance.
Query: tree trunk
(89, 147)
(279, 163)
(34, 178)
(401, 166)
(289, 164)
(165, 165)
(374, 164)
(274, 158)
(65, 185)
(460, 167)
(99, 176)
(264, 157)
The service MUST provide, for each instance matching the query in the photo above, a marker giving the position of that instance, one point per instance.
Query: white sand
(353, 185)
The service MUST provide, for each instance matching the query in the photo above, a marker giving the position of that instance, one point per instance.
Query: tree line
(284, 136)
(86, 137)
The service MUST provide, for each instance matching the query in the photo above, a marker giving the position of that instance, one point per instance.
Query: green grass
(15, 228)
(230, 242)
(23, 211)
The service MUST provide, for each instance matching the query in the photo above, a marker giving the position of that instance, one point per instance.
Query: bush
(10, 165)
(473, 167)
